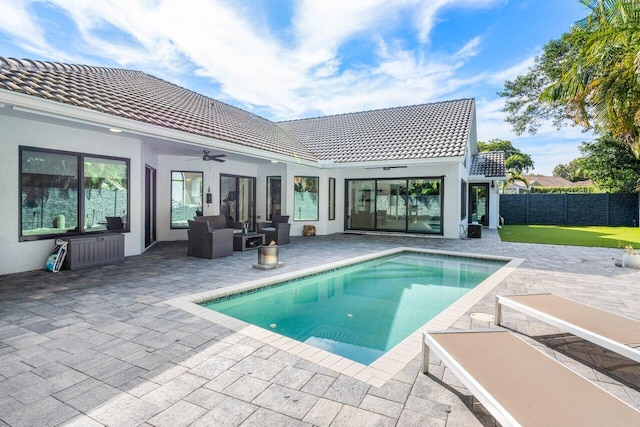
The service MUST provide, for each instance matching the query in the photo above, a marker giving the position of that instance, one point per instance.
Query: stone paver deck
(104, 347)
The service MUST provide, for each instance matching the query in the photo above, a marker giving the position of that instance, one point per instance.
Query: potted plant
(631, 257)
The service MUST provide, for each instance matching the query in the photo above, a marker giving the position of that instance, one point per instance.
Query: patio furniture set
(520, 385)
(214, 236)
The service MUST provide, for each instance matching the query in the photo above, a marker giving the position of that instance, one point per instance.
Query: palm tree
(600, 78)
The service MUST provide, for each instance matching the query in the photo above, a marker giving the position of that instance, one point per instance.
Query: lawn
(606, 237)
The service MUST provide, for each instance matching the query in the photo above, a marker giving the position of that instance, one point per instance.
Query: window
(274, 196)
(105, 191)
(305, 198)
(332, 199)
(50, 193)
(186, 197)
(463, 199)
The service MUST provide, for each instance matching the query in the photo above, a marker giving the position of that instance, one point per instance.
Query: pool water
(361, 311)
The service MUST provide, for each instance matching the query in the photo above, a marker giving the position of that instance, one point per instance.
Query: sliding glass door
(238, 199)
(401, 204)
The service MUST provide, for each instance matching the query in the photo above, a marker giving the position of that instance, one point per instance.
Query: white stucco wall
(25, 129)
(16, 256)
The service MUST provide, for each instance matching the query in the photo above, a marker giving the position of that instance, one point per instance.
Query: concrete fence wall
(571, 209)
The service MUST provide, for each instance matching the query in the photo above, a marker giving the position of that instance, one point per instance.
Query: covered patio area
(102, 346)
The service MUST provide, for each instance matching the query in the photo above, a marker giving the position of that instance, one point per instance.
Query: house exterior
(533, 181)
(82, 145)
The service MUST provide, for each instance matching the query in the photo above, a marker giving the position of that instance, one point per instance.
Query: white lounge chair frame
(599, 403)
(630, 350)
(492, 405)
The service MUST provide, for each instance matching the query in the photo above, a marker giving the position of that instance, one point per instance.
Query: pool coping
(387, 365)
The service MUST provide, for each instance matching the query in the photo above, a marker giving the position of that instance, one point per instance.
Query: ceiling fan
(215, 157)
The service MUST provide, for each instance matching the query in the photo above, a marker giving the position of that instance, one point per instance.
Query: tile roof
(424, 131)
(489, 164)
(548, 181)
(138, 96)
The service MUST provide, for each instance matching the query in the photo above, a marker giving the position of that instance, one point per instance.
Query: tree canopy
(516, 162)
(589, 76)
(611, 164)
(514, 159)
(572, 171)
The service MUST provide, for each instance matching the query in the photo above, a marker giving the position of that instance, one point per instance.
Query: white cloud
(252, 67)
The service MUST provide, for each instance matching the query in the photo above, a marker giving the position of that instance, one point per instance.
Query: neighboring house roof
(585, 183)
(489, 164)
(144, 98)
(548, 181)
(425, 131)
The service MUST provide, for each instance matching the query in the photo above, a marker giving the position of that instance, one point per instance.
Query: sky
(284, 59)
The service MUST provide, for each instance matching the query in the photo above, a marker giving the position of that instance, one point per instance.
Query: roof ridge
(377, 110)
(25, 64)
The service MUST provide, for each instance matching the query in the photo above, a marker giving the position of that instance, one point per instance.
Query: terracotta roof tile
(141, 97)
(416, 132)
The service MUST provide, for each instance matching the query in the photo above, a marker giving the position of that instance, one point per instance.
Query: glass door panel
(361, 204)
(425, 205)
(246, 197)
(228, 197)
(391, 205)
(479, 203)
(238, 199)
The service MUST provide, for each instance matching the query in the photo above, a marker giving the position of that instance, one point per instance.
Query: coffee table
(244, 242)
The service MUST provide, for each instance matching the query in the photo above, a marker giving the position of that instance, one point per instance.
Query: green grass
(606, 237)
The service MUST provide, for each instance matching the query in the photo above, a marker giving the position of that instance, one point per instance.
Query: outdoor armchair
(205, 242)
(278, 230)
(114, 223)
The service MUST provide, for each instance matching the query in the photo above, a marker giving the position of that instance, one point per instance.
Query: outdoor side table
(244, 242)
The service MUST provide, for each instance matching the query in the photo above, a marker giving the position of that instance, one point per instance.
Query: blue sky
(286, 59)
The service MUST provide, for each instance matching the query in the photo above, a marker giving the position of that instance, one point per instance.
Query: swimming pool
(360, 311)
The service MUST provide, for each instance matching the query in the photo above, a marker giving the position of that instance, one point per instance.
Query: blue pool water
(361, 311)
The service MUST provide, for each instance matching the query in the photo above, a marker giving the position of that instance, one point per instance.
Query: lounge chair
(520, 385)
(611, 331)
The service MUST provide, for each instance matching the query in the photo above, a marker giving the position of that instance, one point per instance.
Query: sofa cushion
(279, 219)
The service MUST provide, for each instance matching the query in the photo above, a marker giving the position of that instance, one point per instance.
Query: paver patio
(102, 347)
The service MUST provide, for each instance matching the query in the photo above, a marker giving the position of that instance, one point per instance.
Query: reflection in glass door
(479, 203)
(401, 204)
(425, 205)
(391, 205)
(237, 199)
(361, 204)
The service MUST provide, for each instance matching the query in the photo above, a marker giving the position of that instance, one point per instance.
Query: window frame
(332, 199)
(270, 179)
(464, 197)
(186, 227)
(80, 189)
(317, 184)
(373, 208)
